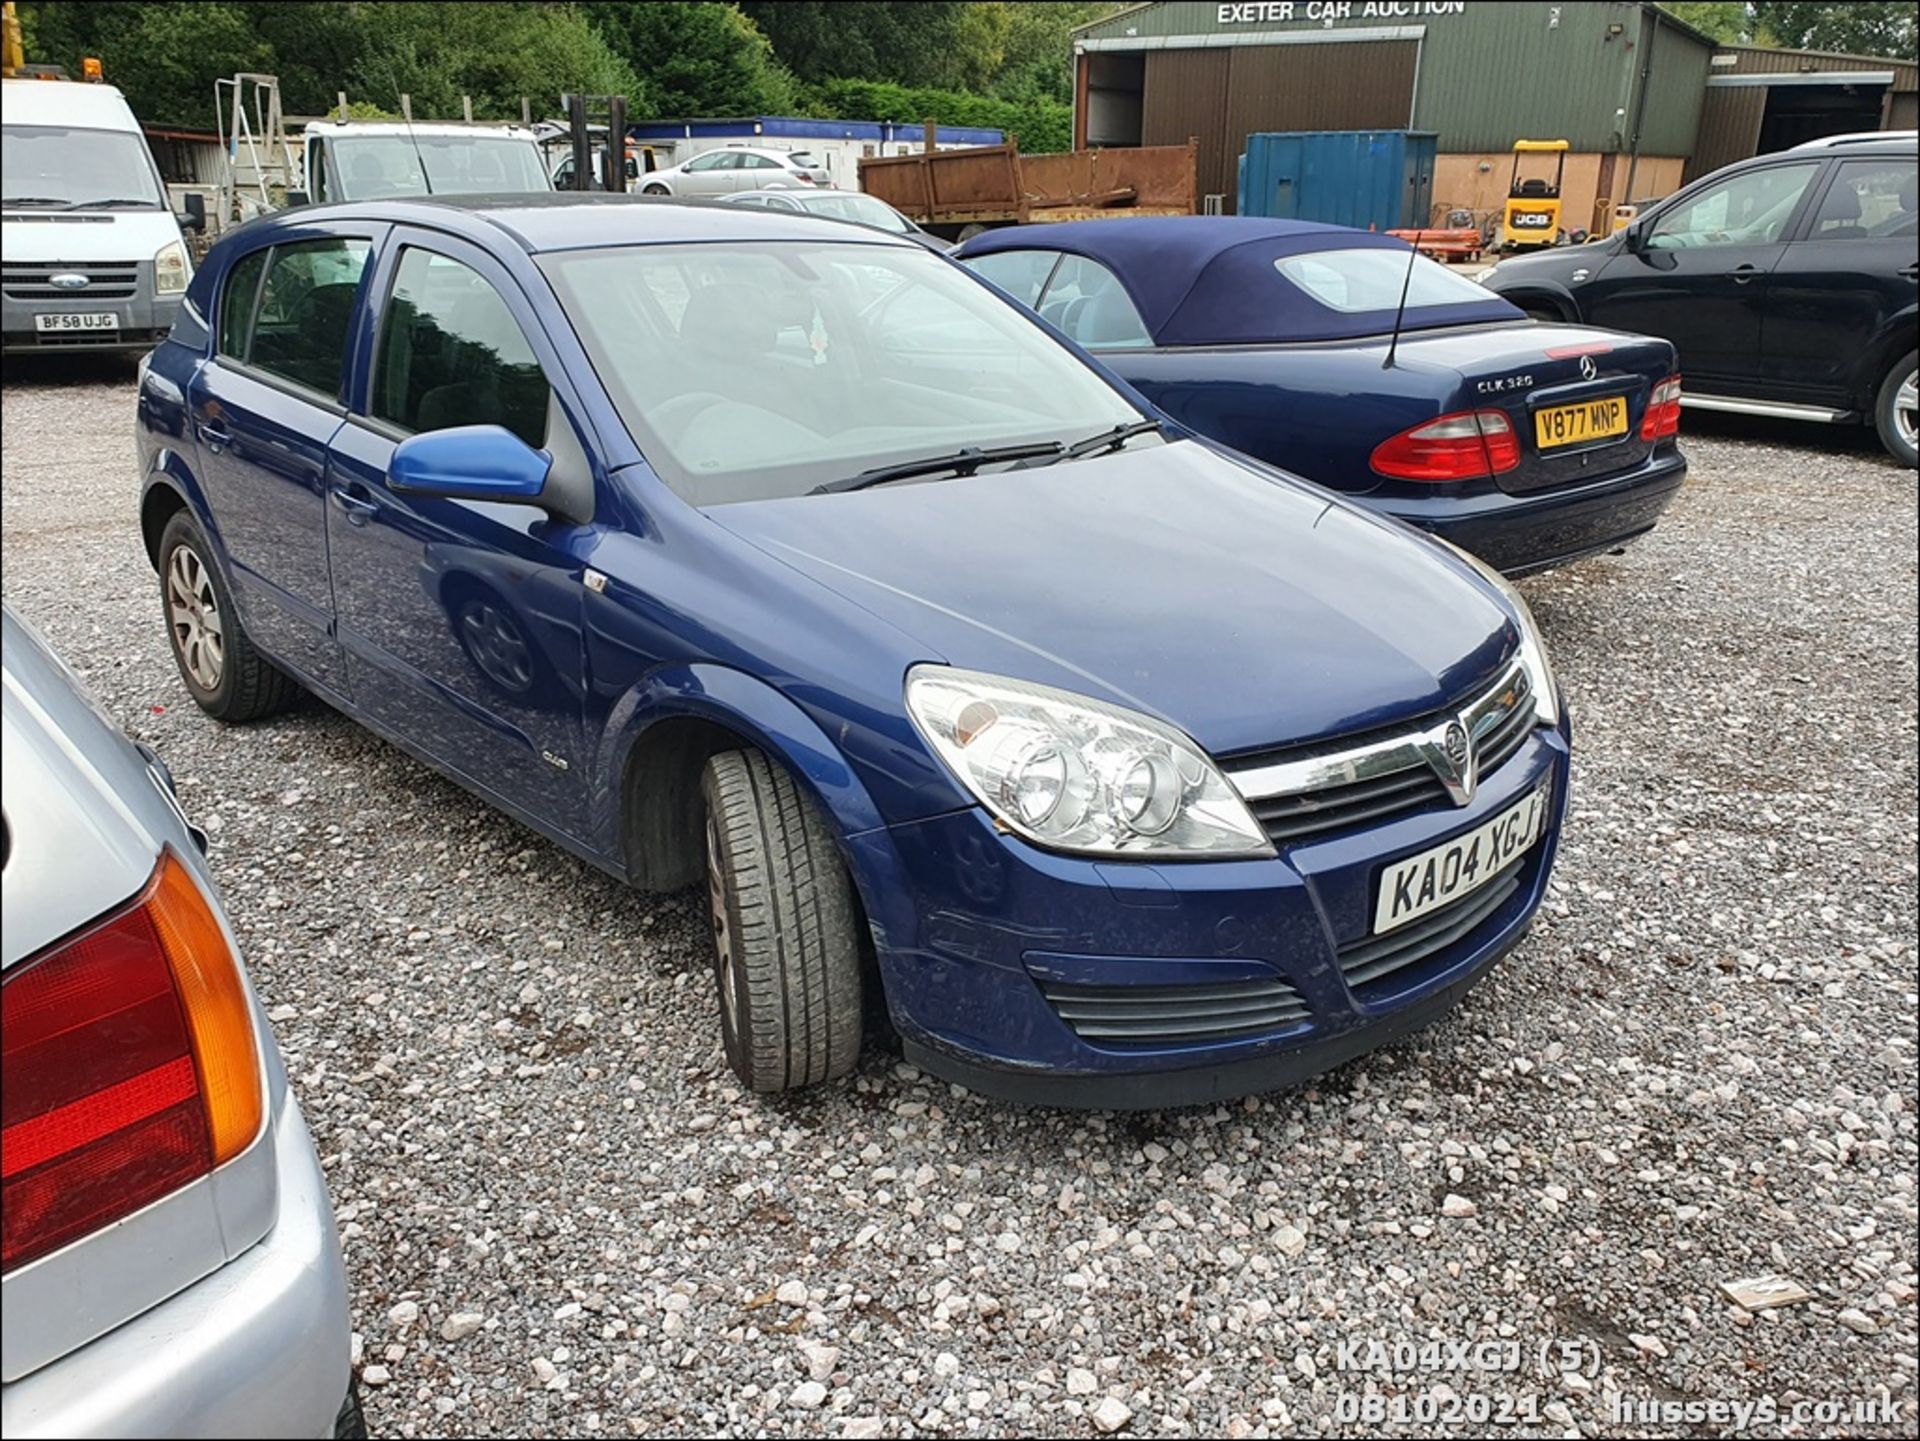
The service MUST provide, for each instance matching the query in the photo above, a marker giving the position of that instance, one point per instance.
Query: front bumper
(144, 321)
(1529, 532)
(258, 1348)
(990, 928)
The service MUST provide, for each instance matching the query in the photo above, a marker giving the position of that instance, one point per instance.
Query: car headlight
(1533, 648)
(1075, 774)
(171, 269)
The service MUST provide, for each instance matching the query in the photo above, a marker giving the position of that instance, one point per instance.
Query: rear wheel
(654, 190)
(1894, 413)
(786, 946)
(227, 677)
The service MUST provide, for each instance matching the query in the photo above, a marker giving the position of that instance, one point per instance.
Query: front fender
(774, 724)
(1529, 288)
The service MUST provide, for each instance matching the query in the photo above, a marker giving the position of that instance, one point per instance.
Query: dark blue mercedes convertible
(1342, 356)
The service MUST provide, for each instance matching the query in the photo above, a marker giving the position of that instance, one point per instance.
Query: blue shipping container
(1369, 179)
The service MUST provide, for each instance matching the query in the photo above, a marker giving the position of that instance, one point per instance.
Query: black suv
(1787, 282)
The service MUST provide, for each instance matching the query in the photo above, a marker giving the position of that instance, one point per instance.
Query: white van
(92, 257)
(372, 159)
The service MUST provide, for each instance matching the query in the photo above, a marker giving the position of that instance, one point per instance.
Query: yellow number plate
(1572, 424)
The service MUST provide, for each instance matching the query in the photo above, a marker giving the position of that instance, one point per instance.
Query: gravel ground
(561, 1215)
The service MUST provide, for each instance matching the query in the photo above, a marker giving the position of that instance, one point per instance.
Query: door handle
(357, 512)
(215, 437)
(1741, 274)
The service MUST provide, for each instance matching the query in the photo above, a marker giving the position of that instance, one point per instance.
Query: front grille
(1173, 1015)
(1362, 779)
(106, 280)
(1373, 958)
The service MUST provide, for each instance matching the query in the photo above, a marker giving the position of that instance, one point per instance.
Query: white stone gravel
(561, 1215)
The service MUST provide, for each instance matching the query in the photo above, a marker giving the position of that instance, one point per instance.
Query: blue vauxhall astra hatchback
(720, 545)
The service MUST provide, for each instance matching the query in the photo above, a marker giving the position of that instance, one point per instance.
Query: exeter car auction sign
(1333, 12)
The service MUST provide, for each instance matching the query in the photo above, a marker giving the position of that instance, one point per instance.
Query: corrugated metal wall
(1186, 94)
(1489, 73)
(1729, 128)
(1225, 95)
(1749, 61)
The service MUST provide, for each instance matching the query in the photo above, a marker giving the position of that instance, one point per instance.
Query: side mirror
(1634, 237)
(297, 197)
(470, 462)
(196, 211)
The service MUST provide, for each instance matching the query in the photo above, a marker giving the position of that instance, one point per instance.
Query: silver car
(737, 167)
(171, 1265)
(855, 207)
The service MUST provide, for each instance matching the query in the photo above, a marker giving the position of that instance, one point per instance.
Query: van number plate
(96, 320)
(1560, 425)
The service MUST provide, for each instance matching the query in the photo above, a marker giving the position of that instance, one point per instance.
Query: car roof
(575, 220)
(1192, 277)
(68, 102)
(1895, 141)
(345, 129)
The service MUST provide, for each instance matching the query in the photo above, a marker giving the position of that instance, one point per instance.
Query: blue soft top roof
(1210, 279)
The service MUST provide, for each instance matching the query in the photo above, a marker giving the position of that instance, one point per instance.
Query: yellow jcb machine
(1532, 216)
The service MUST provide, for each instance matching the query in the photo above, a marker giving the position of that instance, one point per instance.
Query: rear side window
(304, 313)
(1020, 273)
(452, 354)
(1868, 200)
(1360, 280)
(1090, 305)
(237, 302)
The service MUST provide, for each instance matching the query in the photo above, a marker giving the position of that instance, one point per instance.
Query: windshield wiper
(101, 204)
(962, 462)
(1106, 440)
(37, 200)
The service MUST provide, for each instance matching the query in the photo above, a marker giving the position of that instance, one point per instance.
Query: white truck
(370, 159)
(91, 257)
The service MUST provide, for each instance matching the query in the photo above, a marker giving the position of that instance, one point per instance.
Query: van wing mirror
(195, 217)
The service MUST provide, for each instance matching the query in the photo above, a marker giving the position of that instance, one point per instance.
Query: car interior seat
(1840, 215)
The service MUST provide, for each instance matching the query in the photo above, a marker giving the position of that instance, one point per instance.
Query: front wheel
(1894, 413)
(785, 939)
(226, 676)
(655, 190)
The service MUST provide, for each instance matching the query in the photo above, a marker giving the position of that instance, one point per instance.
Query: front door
(461, 619)
(1842, 281)
(1701, 273)
(264, 409)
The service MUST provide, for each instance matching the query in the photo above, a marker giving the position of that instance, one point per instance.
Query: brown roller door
(1186, 94)
(1227, 94)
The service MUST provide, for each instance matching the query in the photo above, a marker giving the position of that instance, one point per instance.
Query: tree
(165, 57)
(908, 44)
(1860, 28)
(698, 59)
(1727, 21)
(1038, 63)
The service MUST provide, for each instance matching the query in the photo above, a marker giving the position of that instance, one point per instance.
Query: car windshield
(60, 167)
(376, 165)
(1359, 280)
(862, 209)
(759, 371)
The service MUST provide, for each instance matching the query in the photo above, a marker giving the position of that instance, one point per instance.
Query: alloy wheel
(1906, 404)
(194, 619)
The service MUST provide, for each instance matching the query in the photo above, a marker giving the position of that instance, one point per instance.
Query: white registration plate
(1411, 888)
(92, 320)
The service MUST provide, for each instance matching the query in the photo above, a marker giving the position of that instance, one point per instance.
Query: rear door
(1840, 283)
(263, 411)
(461, 619)
(1700, 278)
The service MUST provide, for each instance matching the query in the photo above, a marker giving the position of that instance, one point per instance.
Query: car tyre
(1894, 412)
(655, 190)
(786, 944)
(226, 675)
